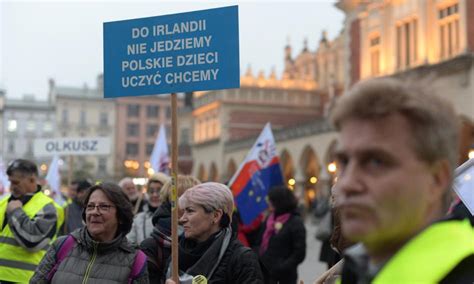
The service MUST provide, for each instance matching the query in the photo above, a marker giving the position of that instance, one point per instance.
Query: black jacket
(239, 265)
(158, 246)
(286, 250)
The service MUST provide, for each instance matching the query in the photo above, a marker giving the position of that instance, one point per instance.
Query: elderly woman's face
(153, 191)
(101, 217)
(198, 224)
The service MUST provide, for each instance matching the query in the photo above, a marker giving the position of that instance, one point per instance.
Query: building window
(48, 126)
(11, 146)
(102, 164)
(407, 44)
(131, 149)
(82, 118)
(152, 111)
(184, 136)
(65, 116)
(12, 125)
(149, 148)
(30, 126)
(168, 112)
(374, 49)
(104, 119)
(151, 130)
(133, 110)
(448, 21)
(133, 129)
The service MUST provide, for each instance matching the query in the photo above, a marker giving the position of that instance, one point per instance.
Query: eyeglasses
(101, 207)
(151, 192)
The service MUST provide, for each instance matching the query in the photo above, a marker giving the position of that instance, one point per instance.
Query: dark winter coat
(157, 249)
(158, 246)
(109, 262)
(72, 218)
(286, 250)
(238, 264)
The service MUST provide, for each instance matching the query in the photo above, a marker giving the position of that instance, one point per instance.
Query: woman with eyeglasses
(99, 252)
(142, 226)
(208, 249)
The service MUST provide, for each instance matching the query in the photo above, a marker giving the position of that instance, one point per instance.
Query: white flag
(4, 182)
(464, 184)
(159, 160)
(54, 180)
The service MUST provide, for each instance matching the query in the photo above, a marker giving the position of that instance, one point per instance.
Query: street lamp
(332, 167)
(44, 167)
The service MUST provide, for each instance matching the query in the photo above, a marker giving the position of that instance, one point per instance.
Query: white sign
(464, 184)
(72, 146)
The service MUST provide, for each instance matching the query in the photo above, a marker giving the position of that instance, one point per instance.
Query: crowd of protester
(389, 218)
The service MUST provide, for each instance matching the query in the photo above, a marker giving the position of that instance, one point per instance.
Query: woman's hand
(169, 281)
(330, 275)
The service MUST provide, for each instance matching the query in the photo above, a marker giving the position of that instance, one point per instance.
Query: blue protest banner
(184, 52)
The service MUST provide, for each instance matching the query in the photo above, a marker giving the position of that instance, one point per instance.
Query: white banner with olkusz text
(72, 146)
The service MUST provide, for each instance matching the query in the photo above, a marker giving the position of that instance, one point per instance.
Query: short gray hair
(433, 121)
(124, 181)
(211, 196)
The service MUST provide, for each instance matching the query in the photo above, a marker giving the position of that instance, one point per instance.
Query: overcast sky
(63, 40)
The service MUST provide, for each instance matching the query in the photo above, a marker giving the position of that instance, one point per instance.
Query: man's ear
(442, 177)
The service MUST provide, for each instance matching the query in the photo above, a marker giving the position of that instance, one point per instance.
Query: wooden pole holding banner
(174, 194)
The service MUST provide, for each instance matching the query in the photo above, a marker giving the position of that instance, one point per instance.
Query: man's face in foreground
(385, 191)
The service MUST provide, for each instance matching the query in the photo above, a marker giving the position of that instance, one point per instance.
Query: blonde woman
(158, 246)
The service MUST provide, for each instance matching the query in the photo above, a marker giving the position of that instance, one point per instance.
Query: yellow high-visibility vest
(430, 256)
(17, 264)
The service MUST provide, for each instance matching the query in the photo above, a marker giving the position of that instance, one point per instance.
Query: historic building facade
(83, 112)
(417, 40)
(25, 120)
(432, 41)
(139, 119)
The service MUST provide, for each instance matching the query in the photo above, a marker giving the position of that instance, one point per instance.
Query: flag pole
(174, 180)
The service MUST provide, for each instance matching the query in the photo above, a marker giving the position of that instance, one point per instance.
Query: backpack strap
(138, 265)
(61, 254)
